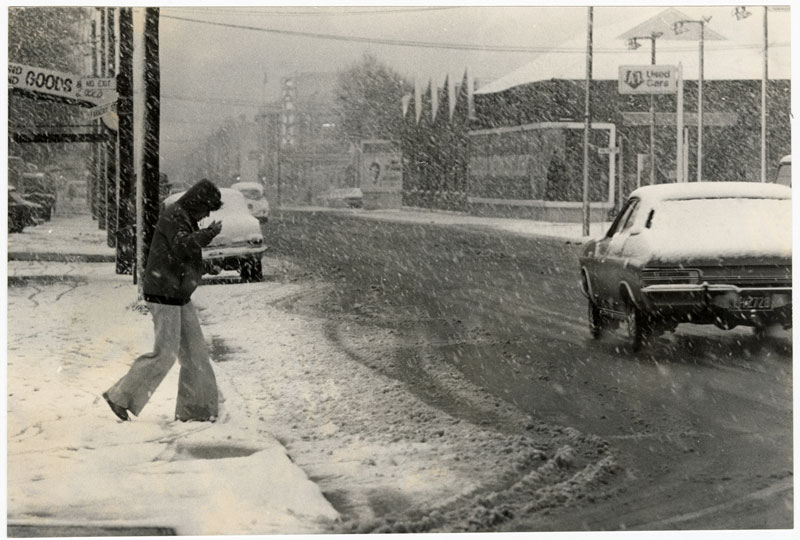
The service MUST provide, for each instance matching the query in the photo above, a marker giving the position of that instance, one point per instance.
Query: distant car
(240, 245)
(345, 197)
(256, 202)
(21, 212)
(784, 176)
(705, 253)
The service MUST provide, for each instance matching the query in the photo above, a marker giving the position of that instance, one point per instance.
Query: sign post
(649, 79)
(680, 150)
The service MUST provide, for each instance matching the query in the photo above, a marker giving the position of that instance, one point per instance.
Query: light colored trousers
(177, 337)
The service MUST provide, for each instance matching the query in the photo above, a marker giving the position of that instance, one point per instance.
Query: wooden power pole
(126, 203)
(150, 169)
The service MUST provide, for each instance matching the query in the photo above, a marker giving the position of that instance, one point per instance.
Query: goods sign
(62, 84)
(46, 81)
(648, 79)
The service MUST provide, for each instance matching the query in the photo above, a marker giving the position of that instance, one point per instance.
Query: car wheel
(251, 270)
(597, 322)
(760, 332)
(637, 326)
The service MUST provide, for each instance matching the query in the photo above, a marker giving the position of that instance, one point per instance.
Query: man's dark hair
(204, 195)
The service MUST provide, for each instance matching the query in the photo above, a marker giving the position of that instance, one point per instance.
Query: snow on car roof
(721, 227)
(712, 190)
(248, 185)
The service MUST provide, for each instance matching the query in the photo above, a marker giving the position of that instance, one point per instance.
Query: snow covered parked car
(240, 245)
(784, 176)
(706, 253)
(21, 212)
(256, 202)
(345, 197)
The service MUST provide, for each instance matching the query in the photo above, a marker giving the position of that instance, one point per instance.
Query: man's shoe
(121, 412)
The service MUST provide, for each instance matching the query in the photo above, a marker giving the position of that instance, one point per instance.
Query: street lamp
(633, 44)
(740, 12)
(679, 27)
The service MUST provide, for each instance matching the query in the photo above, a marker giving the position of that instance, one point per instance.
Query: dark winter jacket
(175, 262)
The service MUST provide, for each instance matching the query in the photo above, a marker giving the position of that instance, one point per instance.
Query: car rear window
(252, 194)
(726, 226)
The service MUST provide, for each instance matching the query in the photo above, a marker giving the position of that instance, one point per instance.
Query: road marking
(785, 485)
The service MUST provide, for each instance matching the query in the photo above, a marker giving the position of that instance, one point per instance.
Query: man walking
(174, 270)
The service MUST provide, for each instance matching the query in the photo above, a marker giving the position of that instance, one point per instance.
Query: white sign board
(96, 112)
(46, 81)
(62, 84)
(97, 89)
(648, 79)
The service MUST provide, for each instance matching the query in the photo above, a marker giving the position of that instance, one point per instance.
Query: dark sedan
(704, 253)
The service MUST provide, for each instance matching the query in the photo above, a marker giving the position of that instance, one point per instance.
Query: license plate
(746, 302)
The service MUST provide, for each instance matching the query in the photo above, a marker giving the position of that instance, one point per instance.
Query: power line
(395, 42)
(216, 101)
(339, 13)
(431, 44)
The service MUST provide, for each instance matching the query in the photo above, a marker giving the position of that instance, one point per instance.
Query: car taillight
(670, 275)
(255, 240)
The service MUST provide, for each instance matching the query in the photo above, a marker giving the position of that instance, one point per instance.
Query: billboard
(381, 167)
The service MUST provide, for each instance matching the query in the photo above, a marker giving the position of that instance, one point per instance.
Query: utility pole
(700, 106)
(102, 147)
(679, 27)
(95, 157)
(150, 169)
(633, 43)
(111, 145)
(652, 116)
(126, 203)
(764, 80)
(587, 118)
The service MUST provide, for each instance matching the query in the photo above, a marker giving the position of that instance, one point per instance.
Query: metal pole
(95, 156)
(587, 120)
(621, 173)
(680, 152)
(102, 194)
(700, 107)
(764, 103)
(111, 145)
(652, 118)
(278, 158)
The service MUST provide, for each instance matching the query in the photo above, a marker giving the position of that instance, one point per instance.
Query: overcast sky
(206, 65)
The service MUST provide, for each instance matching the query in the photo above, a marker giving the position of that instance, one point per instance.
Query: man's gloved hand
(215, 227)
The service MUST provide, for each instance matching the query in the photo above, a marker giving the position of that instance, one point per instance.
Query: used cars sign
(648, 79)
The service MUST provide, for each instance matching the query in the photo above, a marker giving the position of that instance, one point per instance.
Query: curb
(49, 531)
(61, 257)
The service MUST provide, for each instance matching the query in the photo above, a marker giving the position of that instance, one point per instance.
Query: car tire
(637, 326)
(251, 270)
(597, 321)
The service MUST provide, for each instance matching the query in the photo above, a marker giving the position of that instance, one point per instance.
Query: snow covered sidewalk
(71, 334)
(291, 382)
